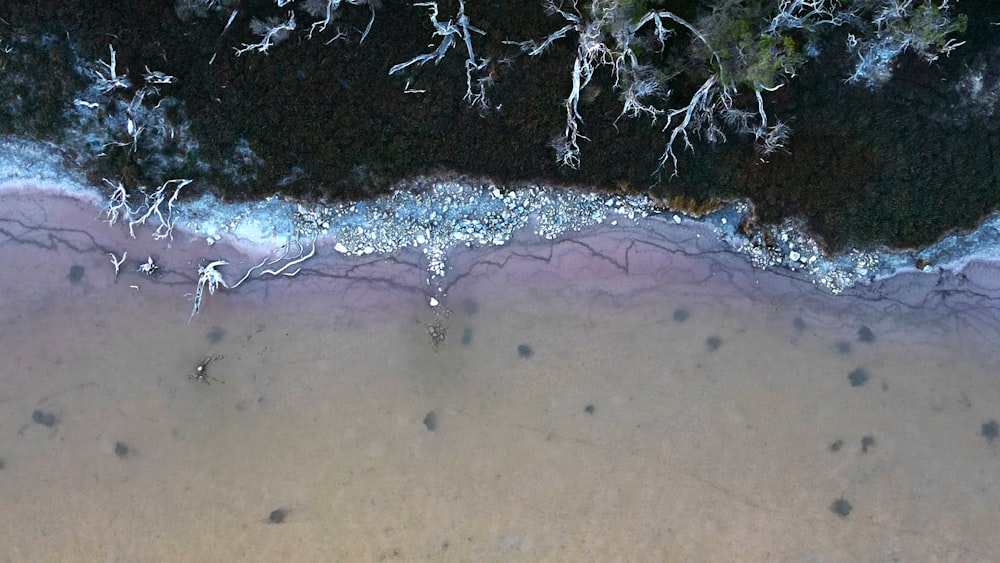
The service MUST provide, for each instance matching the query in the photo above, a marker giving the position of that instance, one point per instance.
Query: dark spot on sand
(589, 409)
(858, 377)
(44, 418)
(990, 430)
(470, 307)
(843, 347)
(836, 445)
(866, 335)
(277, 516)
(681, 315)
(216, 335)
(467, 336)
(867, 442)
(798, 324)
(3, 464)
(122, 450)
(713, 342)
(431, 421)
(524, 351)
(841, 507)
(75, 273)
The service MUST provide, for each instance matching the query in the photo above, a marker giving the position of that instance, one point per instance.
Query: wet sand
(626, 394)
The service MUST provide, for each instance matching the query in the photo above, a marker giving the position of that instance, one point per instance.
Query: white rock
(339, 247)
(677, 219)
(794, 256)
(433, 302)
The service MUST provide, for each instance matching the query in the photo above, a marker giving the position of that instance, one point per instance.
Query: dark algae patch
(589, 409)
(681, 315)
(866, 335)
(858, 377)
(867, 442)
(713, 343)
(75, 273)
(431, 421)
(990, 430)
(122, 450)
(216, 335)
(524, 351)
(277, 516)
(44, 418)
(841, 507)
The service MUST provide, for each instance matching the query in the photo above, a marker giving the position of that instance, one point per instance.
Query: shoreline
(438, 217)
(618, 257)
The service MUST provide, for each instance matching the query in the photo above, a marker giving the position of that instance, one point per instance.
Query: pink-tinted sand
(626, 393)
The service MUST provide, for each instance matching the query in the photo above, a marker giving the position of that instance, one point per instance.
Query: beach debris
(438, 332)
(283, 252)
(148, 267)
(150, 206)
(201, 371)
(117, 262)
(210, 277)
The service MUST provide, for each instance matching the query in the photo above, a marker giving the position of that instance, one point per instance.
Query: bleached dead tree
(147, 205)
(125, 109)
(740, 48)
(605, 34)
(106, 76)
(902, 26)
(272, 32)
(289, 255)
(458, 29)
(322, 13)
(208, 276)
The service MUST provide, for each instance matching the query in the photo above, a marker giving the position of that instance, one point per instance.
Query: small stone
(340, 248)
(677, 219)
(433, 302)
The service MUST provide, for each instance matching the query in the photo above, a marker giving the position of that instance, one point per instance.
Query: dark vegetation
(900, 165)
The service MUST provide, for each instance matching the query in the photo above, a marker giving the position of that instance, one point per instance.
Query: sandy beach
(631, 393)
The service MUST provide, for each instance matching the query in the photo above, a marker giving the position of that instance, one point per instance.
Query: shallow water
(634, 393)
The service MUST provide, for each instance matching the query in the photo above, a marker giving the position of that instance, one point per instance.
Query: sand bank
(634, 393)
